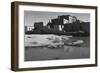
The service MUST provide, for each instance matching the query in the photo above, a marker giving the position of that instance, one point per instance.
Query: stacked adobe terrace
(62, 25)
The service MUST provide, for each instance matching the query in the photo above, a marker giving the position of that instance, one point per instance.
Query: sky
(30, 17)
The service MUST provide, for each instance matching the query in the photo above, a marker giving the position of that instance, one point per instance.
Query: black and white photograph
(56, 35)
(52, 36)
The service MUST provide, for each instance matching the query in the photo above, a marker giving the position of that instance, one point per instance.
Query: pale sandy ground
(66, 52)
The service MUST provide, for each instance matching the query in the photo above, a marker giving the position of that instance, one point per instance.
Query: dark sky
(40, 16)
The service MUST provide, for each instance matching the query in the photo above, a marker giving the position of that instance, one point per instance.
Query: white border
(23, 64)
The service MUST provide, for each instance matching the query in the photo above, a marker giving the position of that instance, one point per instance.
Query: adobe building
(29, 29)
(59, 23)
(38, 25)
(68, 23)
(63, 24)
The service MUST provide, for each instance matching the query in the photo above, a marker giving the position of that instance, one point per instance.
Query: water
(65, 52)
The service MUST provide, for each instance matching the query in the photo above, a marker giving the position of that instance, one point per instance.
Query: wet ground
(65, 52)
